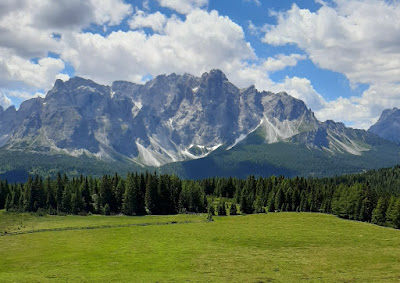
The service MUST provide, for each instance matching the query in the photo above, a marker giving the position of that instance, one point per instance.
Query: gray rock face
(170, 118)
(388, 125)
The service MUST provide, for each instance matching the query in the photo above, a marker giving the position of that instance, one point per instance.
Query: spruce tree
(7, 203)
(151, 197)
(279, 199)
(393, 213)
(221, 208)
(59, 191)
(129, 197)
(233, 209)
(379, 213)
(271, 203)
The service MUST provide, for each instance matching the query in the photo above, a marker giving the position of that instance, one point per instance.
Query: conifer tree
(129, 198)
(379, 213)
(151, 197)
(271, 202)
(85, 193)
(233, 209)
(221, 208)
(59, 190)
(279, 199)
(7, 203)
(259, 205)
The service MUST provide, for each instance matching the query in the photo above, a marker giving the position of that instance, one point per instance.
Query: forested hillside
(371, 197)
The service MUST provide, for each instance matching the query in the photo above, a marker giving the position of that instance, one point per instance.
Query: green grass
(277, 247)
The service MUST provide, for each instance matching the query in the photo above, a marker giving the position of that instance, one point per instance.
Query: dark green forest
(373, 196)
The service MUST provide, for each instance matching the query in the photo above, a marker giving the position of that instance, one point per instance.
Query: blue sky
(342, 57)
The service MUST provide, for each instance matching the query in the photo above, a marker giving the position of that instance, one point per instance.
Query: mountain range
(191, 126)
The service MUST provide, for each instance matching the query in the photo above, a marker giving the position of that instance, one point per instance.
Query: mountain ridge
(172, 118)
(388, 125)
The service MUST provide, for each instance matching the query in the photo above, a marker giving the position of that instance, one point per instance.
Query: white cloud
(15, 70)
(302, 88)
(5, 102)
(24, 95)
(27, 29)
(111, 12)
(155, 21)
(257, 2)
(146, 5)
(201, 42)
(183, 6)
(281, 61)
(356, 38)
(63, 77)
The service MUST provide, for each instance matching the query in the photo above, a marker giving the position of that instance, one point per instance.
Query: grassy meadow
(274, 247)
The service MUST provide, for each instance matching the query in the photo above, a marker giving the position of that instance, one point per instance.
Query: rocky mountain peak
(167, 119)
(215, 75)
(388, 125)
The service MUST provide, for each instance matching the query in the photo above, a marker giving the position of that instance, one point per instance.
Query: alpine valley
(194, 127)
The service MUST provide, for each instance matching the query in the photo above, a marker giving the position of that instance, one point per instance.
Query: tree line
(137, 194)
(371, 197)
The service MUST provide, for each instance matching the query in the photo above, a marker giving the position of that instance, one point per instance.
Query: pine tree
(295, 199)
(106, 209)
(28, 198)
(258, 205)
(271, 202)
(66, 200)
(129, 197)
(7, 203)
(85, 193)
(151, 197)
(118, 191)
(51, 203)
(59, 191)
(233, 209)
(279, 198)
(221, 208)
(244, 206)
(379, 213)
(393, 213)
(107, 194)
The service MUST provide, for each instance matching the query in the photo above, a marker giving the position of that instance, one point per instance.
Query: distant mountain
(176, 120)
(388, 125)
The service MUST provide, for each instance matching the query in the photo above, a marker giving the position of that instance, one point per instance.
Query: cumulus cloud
(155, 21)
(63, 15)
(302, 88)
(183, 6)
(35, 21)
(282, 61)
(203, 41)
(359, 39)
(15, 70)
(27, 29)
(349, 38)
(111, 12)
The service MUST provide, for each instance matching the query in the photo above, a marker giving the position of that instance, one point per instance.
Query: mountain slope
(183, 123)
(388, 125)
(255, 157)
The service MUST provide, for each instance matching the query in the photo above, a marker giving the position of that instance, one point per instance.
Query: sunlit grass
(286, 247)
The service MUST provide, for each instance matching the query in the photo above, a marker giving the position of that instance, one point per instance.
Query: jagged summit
(388, 125)
(170, 118)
